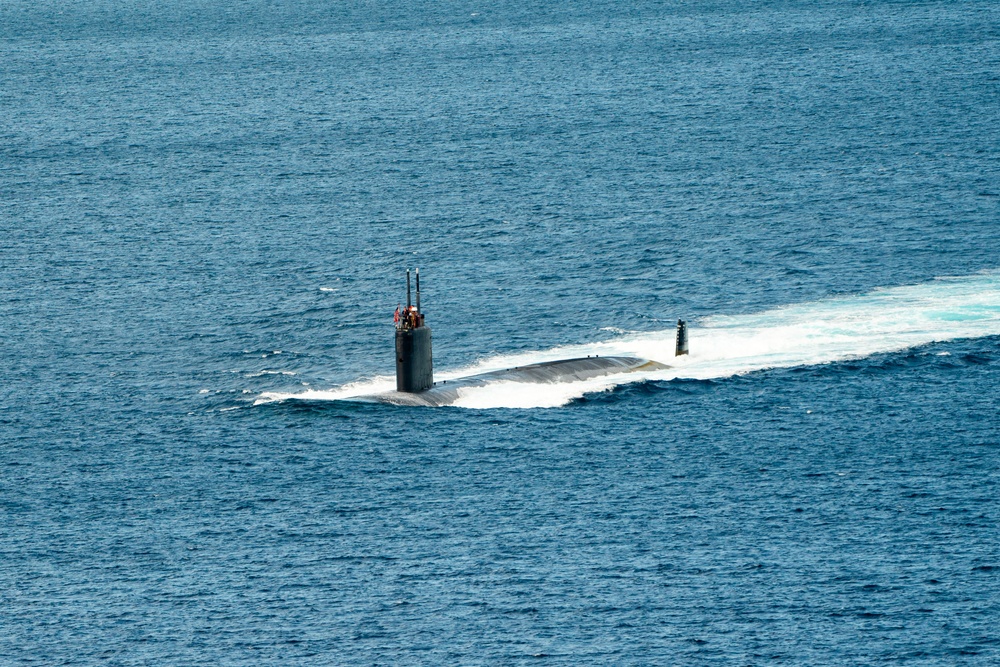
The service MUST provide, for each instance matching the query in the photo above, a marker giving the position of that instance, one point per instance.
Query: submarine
(415, 383)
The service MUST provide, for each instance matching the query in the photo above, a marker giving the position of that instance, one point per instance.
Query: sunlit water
(207, 210)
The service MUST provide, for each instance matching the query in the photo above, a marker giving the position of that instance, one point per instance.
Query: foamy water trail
(834, 329)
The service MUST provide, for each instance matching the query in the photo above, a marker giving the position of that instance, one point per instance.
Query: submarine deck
(547, 372)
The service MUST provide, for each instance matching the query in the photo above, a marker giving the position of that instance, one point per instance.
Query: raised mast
(408, 289)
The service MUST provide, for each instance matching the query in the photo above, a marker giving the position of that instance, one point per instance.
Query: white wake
(834, 329)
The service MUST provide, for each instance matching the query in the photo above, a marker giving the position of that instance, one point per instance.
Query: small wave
(267, 372)
(354, 390)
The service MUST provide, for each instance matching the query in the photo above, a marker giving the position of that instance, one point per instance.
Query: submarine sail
(414, 363)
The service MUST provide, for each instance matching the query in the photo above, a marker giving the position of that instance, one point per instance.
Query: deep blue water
(204, 204)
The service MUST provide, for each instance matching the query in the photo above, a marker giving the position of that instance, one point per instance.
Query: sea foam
(825, 331)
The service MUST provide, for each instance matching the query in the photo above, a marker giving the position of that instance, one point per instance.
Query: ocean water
(207, 210)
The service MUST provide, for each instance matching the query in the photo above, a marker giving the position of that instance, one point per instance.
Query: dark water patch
(977, 359)
(342, 410)
(632, 390)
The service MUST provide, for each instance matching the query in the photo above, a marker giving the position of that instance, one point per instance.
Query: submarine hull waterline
(548, 372)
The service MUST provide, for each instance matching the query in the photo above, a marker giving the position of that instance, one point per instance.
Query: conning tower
(414, 367)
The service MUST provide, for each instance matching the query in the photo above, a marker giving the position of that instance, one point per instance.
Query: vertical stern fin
(682, 338)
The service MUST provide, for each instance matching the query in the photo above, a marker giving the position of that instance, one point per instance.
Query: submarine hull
(548, 372)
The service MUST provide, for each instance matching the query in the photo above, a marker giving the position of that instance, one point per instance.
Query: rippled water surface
(207, 209)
